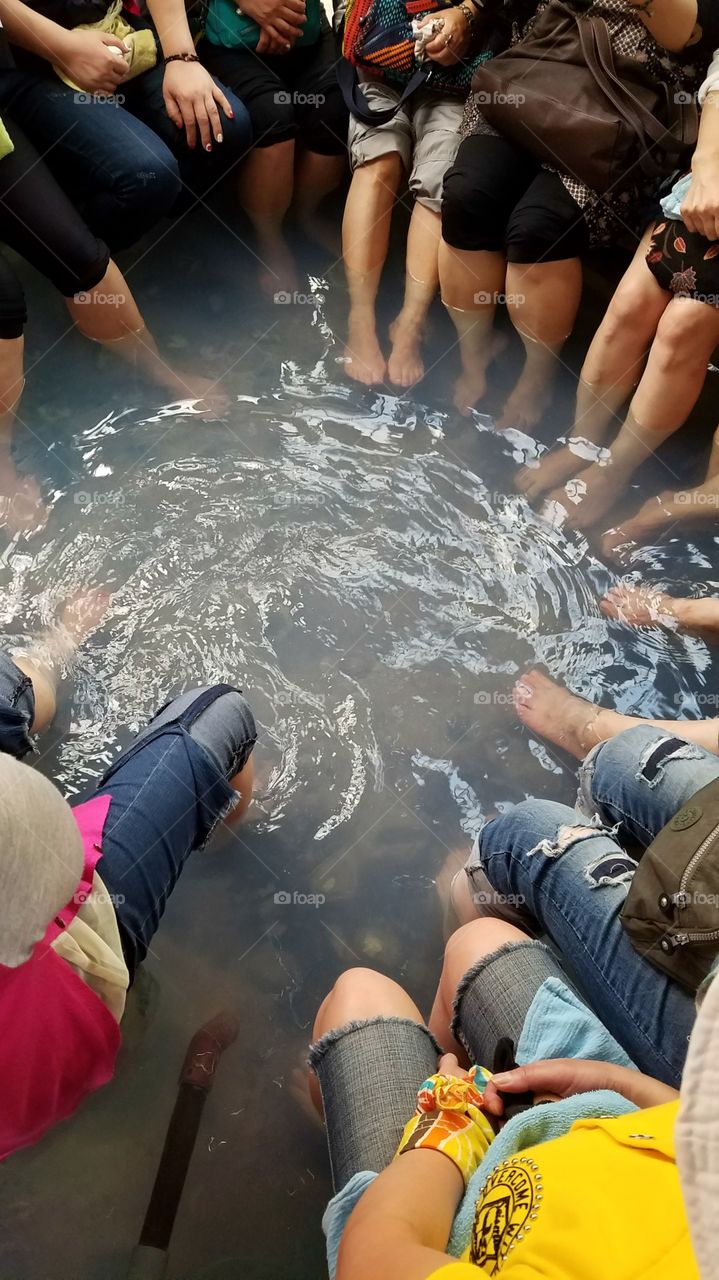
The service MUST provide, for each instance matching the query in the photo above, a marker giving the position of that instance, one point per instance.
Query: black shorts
(684, 262)
(294, 95)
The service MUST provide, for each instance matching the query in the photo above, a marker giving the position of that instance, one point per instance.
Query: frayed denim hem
(319, 1047)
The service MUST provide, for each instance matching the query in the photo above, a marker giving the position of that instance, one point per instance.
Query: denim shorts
(169, 790)
(369, 1071)
(17, 708)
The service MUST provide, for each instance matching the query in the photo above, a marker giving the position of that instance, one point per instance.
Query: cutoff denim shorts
(369, 1072)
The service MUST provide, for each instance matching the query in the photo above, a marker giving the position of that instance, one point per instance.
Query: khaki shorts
(425, 133)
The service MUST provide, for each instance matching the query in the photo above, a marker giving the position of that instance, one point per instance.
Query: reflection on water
(364, 567)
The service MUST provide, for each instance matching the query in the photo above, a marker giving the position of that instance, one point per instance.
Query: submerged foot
(558, 465)
(405, 366)
(277, 270)
(556, 714)
(529, 401)
(471, 386)
(364, 361)
(640, 606)
(588, 496)
(84, 611)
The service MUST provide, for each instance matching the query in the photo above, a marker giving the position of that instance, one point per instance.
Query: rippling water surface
(363, 566)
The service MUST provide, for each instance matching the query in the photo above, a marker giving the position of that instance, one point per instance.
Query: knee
(383, 171)
(473, 218)
(683, 338)
(538, 234)
(148, 183)
(470, 944)
(357, 994)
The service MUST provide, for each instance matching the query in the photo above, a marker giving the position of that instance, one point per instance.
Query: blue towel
(558, 1025)
(672, 204)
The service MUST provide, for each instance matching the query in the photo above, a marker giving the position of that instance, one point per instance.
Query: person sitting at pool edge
(503, 1199)
(82, 891)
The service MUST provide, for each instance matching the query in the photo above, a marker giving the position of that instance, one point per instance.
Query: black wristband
(182, 57)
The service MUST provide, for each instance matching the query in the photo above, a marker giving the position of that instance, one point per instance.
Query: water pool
(362, 565)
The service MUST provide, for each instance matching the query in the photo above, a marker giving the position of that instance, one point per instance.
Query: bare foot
(210, 400)
(405, 366)
(84, 611)
(556, 714)
(528, 402)
(277, 273)
(22, 509)
(555, 467)
(363, 357)
(645, 607)
(588, 496)
(654, 515)
(639, 606)
(471, 386)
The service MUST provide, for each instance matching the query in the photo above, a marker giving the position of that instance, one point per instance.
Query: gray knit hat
(41, 858)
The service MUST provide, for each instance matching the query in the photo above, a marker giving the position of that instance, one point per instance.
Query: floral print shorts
(684, 263)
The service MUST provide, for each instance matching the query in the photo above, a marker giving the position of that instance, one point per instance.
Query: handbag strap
(600, 60)
(356, 101)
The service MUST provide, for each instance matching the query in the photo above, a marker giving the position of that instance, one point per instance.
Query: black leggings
(498, 198)
(38, 221)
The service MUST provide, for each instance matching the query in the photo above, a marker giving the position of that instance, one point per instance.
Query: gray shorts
(17, 708)
(425, 133)
(369, 1072)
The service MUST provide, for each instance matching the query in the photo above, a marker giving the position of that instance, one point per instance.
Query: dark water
(363, 566)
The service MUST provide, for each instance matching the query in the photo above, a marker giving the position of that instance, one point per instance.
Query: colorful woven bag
(378, 38)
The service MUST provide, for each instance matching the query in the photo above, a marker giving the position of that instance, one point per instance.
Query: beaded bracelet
(182, 57)
(470, 18)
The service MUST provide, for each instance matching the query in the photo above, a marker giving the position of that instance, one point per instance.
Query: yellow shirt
(603, 1201)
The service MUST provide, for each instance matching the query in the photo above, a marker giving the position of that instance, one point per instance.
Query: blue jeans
(124, 167)
(169, 790)
(571, 869)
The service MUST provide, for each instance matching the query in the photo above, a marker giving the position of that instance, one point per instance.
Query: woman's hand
(700, 210)
(564, 1077)
(191, 101)
(93, 60)
(281, 22)
(451, 44)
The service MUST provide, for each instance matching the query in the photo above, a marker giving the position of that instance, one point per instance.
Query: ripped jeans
(569, 869)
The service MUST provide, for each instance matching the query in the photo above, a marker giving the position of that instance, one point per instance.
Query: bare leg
(471, 282)
(542, 301)
(469, 944)
(266, 183)
(697, 506)
(687, 335)
(365, 241)
(610, 373)
(356, 995)
(576, 725)
(645, 607)
(405, 365)
(243, 783)
(108, 314)
(316, 177)
(43, 661)
(21, 507)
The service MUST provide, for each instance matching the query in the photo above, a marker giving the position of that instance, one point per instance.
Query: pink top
(58, 1041)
